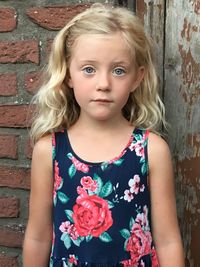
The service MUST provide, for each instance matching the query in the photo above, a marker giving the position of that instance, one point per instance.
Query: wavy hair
(56, 106)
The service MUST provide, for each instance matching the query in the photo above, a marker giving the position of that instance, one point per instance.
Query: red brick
(54, 17)
(9, 207)
(8, 146)
(8, 84)
(28, 149)
(19, 51)
(14, 177)
(8, 261)
(49, 46)
(16, 116)
(7, 19)
(11, 237)
(32, 81)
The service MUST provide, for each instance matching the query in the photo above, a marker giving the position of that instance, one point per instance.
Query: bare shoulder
(39, 226)
(41, 168)
(157, 144)
(43, 146)
(158, 151)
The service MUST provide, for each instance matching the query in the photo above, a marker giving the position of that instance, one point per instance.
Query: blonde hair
(56, 106)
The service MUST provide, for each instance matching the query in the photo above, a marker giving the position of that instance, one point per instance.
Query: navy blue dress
(101, 212)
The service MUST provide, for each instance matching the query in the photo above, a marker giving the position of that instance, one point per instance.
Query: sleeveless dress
(101, 211)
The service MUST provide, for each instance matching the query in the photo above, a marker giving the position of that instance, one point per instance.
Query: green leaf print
(105, 237)
(51, 263)
(66, 239)
(106, 190)
(125, 233)
(90, 193)
(53, 153)
(55, 200)
(118, 162)
(144, 168)
(131, 223)
(145, 143)
(62, 197)
(72, 171)
(70, 155)
(104, 165)
(125, 244)
(110, 204)
(77, 242)
(69, 214)
(61, 184)
(99, 183)
(138, 137)
(88, 238)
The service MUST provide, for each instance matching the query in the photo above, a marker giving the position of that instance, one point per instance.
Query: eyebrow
(114, 62)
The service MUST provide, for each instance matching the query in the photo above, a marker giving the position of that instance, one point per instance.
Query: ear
(139, 77)
(69, 82)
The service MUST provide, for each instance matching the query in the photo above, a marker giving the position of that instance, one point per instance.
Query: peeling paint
(189, 68)
(185, 33)
(182, 100)
(141, 8)
(196, 4)
(188, 185)
(179, 71)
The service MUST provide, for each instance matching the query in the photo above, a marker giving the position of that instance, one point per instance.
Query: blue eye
(88, 70)
(119, 72)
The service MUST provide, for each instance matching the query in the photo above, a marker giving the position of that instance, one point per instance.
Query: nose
(103, 82)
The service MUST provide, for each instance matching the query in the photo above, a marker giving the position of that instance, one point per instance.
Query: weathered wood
(153, 15)
(175, 28)
(182, 99)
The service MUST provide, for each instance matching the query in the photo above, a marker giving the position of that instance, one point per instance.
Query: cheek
(79, 95)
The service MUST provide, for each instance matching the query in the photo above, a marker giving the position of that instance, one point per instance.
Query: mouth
(102, 100)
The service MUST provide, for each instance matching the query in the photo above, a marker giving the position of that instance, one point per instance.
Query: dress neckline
(90, 163)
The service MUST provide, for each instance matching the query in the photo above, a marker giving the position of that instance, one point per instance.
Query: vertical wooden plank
(130, 4)
(153, 15)
(182, 100)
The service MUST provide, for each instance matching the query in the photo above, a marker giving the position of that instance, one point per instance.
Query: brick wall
(26, 32)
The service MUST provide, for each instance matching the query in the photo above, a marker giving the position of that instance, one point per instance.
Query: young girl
(108, 199)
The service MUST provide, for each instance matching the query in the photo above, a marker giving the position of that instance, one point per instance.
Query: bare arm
(38, 236)
(166, 233)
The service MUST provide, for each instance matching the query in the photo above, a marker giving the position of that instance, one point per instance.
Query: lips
(102, 100)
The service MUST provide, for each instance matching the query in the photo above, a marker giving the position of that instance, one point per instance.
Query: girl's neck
(99, 141)
(98, 127)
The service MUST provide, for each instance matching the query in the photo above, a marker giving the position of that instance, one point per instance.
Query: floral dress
(101, 211)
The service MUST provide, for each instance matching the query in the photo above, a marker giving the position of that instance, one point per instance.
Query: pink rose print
(91, 215)
(130, 263)
(118, 157)
(127, 263)
(135, 188)
(142, 218)
(134, 184)
(128, 196)
(139, 243)
(154, 258)
(53, 238)
(53, 140)
(139, 150)
(58, 179)
(88, 183)
(138, 146)
(70, 229)
(72, 259)
(80, 166)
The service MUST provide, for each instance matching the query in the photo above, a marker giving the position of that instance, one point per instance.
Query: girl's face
(102, 75)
